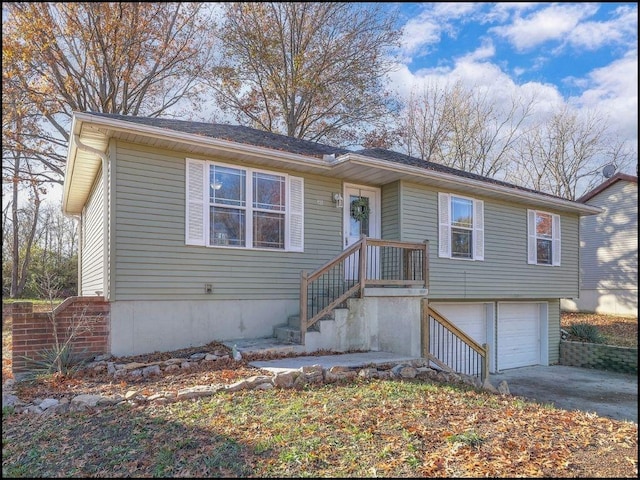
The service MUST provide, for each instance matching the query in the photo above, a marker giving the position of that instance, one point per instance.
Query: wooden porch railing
(367, 263)
(450, 348)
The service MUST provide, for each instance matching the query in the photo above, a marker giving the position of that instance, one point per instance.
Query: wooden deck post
(362, 270)
(485, 362)
(424, 327)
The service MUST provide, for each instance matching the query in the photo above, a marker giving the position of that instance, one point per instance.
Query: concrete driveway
(608, 394)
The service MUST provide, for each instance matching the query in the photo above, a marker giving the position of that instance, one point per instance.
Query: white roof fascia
(464, 181)
(70, 163)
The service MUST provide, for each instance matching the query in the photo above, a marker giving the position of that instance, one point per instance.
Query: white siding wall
(609, 252)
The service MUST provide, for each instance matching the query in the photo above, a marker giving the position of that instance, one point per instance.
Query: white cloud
(485, 51)
(419, 33)
(502, 12)
(446, 11)
(613, 90)
(427, 28)
(486, 76)
(552, 23)
(592, 35)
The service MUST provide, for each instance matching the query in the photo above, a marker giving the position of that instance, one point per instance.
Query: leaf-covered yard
(360, 428)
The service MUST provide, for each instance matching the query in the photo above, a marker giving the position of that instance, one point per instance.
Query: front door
(355, 224)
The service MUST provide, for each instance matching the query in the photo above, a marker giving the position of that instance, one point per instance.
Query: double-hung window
(544, 238)
(233, 206)
(461, 227)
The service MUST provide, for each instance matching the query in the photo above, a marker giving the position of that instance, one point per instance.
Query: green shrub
(586, 332)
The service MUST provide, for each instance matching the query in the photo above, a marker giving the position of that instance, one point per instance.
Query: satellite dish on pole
(609, 170)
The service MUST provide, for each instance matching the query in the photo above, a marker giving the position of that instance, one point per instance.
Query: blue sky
(580, 54)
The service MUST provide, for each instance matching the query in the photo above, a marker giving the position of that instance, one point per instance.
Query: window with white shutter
(238, 207)
(195, 213)
(543, 238)
(461, 227)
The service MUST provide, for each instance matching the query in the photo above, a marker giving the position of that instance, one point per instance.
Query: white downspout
(105, 211)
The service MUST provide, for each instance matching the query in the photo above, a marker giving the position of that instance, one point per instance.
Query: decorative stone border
(308, 375)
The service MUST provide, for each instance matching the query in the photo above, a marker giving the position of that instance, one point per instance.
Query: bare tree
(463, 128)
(311, 70)
(18, 176)
(127, 58)
(425, 122)
(564, 156)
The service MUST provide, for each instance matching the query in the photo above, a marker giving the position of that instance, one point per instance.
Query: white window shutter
(195, 215)
(295, 215)
(478, 230)
(532, 256)
(444, 232)
(555, 249)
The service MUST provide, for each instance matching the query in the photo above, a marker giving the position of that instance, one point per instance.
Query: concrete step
(286, 334)
(294, 321)
(267, 345)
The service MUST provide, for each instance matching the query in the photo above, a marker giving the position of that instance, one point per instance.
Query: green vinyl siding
(93, 238)
(153, 262)
(504, 272)
(391, 213)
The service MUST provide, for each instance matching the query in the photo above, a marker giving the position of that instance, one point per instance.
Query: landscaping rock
(299, 378)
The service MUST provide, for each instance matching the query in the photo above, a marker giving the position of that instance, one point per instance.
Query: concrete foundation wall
(621, 302)
(139, 327)
(383, 320)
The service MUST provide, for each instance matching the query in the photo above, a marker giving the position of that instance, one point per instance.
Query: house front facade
(609, 250)
(197, 232)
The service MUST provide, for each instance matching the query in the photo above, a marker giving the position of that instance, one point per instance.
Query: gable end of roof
(604, 185)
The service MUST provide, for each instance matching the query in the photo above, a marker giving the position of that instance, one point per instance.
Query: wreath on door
(360, 209)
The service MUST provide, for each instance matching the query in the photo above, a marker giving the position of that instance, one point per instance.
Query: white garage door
(471, 319)
(518, 335)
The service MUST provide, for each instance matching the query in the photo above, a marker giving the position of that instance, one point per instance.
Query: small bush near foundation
(586, 332)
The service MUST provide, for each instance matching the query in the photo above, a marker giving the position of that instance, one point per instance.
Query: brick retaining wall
(595, 355)
(32, 332)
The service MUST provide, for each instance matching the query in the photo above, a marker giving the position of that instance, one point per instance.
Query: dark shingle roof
(260, 138)
(235, 133)
(397, 157)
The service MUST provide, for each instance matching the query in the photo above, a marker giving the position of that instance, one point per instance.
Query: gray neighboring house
(195, 232)
(609, 250)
